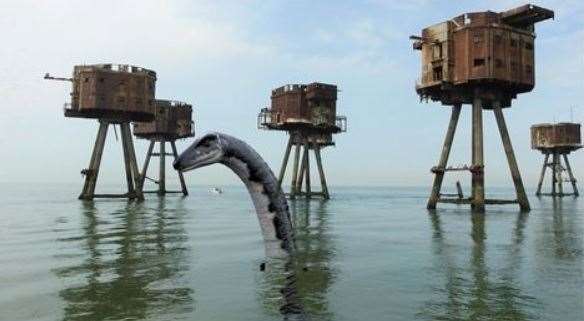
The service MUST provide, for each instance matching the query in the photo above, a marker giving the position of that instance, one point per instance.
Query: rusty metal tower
(114, 95)
(556, 140)
(172, 121)
(308, 113)
(484, 59)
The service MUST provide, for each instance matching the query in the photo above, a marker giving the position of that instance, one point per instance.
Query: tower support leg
(181, 177)
(325, 192)
(554, 173)
(459, 190)
(307, 170)
(515, 174)
(303, 168)
(438, 178)
(560, 178)
(285, 162)
(145, 166)
(571, 175)
(162, 169)
(293, 190)
(125, 128)
(478, 177)
(95, 162)
(128, 166)
(300, 178)
(542, 176)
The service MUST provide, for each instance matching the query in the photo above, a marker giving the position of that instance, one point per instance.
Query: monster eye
(206, 142)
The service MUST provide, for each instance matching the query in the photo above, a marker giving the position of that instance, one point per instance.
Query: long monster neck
(269, 200)
(272, 210)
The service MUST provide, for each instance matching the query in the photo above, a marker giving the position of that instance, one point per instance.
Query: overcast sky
(224, 57)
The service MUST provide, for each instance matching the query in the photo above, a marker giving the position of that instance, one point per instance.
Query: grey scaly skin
(269, 200)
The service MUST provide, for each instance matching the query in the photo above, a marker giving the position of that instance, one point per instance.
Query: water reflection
(310, 268)
(472, 290)
(132, 259)
(561, 239)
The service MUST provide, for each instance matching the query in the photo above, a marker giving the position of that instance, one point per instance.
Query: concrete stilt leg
(304, 168)
(95, 162)
(181, 177)
(285, 162)
(478, 201)
(560, 178)
(554, 173)
(301, 173)
(128, 166)
(125, 128)
(438, 178)
(307, 170)
(162, 169)
(323, 185)
(459, 190)
(145, 166)
(571, 175)
(542, 175)
(293, 190)
(515, 174)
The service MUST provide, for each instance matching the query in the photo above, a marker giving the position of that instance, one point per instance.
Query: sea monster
(268, 198)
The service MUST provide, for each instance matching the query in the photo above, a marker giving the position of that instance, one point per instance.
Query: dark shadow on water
(310, 266)
(472, 290)
(132, 259)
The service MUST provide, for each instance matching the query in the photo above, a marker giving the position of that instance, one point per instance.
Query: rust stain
(480, 53)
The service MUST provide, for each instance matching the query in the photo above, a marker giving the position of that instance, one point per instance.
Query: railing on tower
(341, 123)
(267, 118)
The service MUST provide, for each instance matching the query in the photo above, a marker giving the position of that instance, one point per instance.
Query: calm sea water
(369, 254)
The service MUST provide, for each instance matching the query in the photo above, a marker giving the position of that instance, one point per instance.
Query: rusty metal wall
(322, 103)
(479, 50)
(312, 104)
(289, 104)
(122, 89)
(550, 136)
(172, 120)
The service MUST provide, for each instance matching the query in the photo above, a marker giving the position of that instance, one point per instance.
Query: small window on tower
(528, 46)
(477, 38)
(528, 69)
(437, 73)
(479, 62)
(437, 51)
(513, 42)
